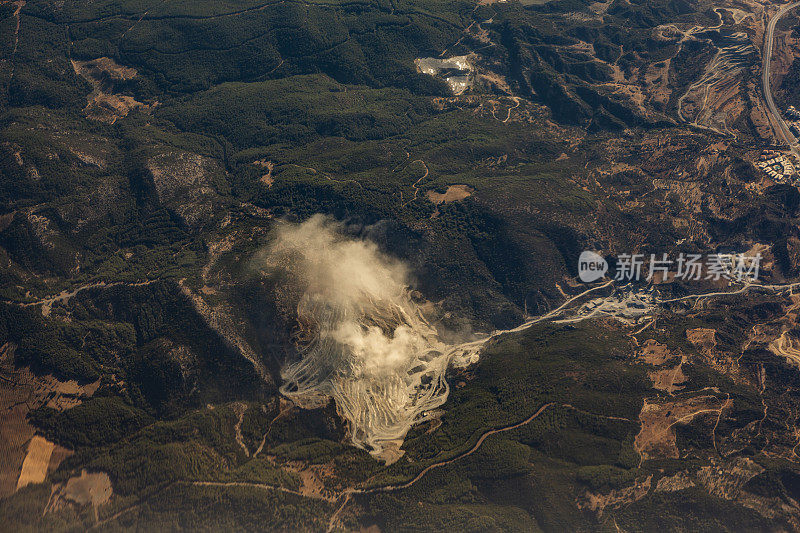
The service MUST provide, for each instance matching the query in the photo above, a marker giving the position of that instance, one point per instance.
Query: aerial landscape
(399, 265)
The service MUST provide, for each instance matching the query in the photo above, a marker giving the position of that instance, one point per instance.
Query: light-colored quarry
(456, 71)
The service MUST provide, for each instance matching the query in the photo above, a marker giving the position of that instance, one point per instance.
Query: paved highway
(768, 42)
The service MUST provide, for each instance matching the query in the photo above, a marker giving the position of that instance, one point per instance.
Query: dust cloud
(362, 339)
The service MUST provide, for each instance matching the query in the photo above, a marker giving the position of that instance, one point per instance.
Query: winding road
(769, 40)
(345, 495)
(483, 437)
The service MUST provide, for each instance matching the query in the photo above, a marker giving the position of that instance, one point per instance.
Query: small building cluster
(776, 165)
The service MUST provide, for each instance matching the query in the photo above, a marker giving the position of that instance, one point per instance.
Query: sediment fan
(380, 360)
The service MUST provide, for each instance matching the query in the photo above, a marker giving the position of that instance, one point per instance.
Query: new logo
(591, 266)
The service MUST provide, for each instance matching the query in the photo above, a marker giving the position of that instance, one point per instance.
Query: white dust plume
(362, 340)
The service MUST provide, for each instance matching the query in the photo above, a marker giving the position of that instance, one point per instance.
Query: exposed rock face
(679, 481)
(186, 183)
(726, 481)
(599, 502)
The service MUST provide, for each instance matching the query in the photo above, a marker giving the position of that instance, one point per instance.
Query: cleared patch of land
(92, 488)
(657, 436)
(34, 467)
(103, 103)
(454, 193)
